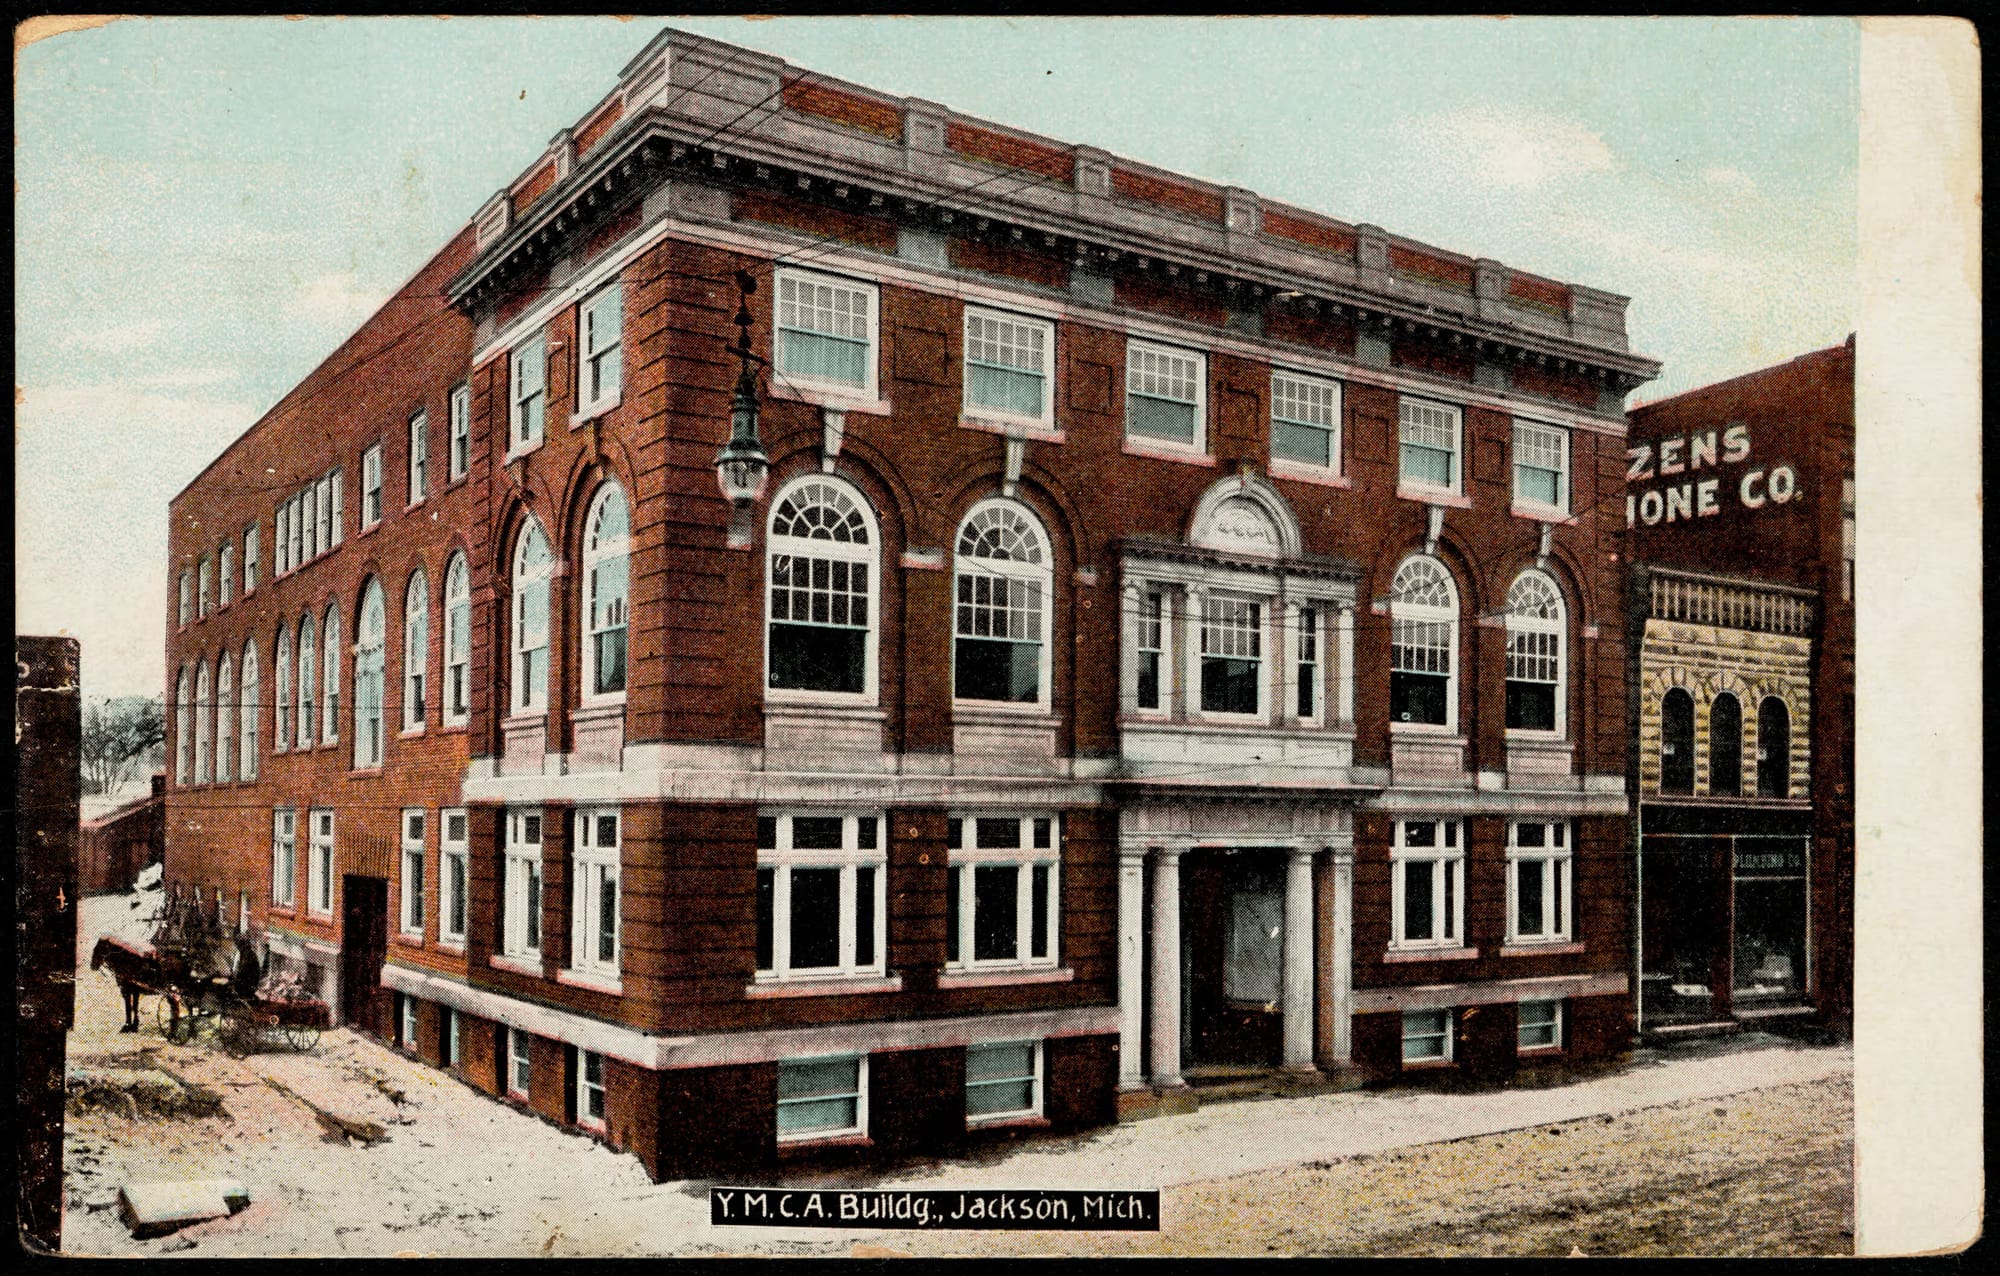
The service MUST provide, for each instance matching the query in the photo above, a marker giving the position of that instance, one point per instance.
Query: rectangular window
(1007, 361)
(243, 912)
(1540, 1025)
(1003, 1081)
(449, 1040)
(1534, 674)
(406, 1022)
(455, 874)
(321, 899)
(323, 507)
(284, 856)
(203, 594)
(1232, 655)
(1427, 863)
(821, 896)
(600, 377)
(413, 873)
(1308, 665)
(460, 459)
(1538, 881)
(308, 519)
(299, 554)
(187, 596)
(333, 503)
(594, 899)
(528, 371)
(1426, 1036)
(250, 558)
(822, 1098)
(284, 536)
(521, 929)
(520, 1064)
(1429, 434)
(1003, 901)
(826, 331)
(590, 1088)
(1165, 395)
(819, 624)
(1151, 642)
(225, 575)
(1420, 660)
(371, 486)
(1541, 465)
(420, 456)
(1305, 420)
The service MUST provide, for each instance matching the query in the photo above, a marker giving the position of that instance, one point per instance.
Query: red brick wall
(1166, 193)
(777, 210)
(540, 183)
(1017, 263)
(1430, 268)
(805, 95)
(1322, 236)
(598, 126)
(1008, 151)
(1539, 294)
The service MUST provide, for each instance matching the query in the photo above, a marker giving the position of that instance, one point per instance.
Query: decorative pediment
(1245, 514)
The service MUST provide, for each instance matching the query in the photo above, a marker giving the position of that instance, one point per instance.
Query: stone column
(1298, 960)
(1194, 606)
(1165, 1053)
(1131, 969)
(1341, 1005)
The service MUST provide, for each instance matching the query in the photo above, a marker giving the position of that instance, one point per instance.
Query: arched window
(253, 707)
(281, 736)
(1677, 742)
(308, 680)
(532, 566)
(820, 634)
(329, 709)
(1535, 654)
(204, 726)
(457, 641)
(369, 638)
(1423, 644)
(1002, 614)
(1725, 747)
(607, 590)
(183, 730)
(225, 717)
(416, 648)
(1774, 748)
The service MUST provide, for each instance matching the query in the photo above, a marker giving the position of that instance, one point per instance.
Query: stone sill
(590, 983)
(1166, 452)
(1429, 496)
(832, 399)
(518, 965)
(1022, 1121)
(1399, 955)
(1301, 473)
(825, 987)
(1540, 950)
(1003, 978)
(1033, 431)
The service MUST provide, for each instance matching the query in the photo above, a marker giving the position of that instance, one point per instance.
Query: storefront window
(1770, 909)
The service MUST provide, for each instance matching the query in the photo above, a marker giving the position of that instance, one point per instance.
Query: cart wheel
(303, 1036)
(176, 1019)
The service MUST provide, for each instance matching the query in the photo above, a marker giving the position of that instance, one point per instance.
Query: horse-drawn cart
(260, 1020)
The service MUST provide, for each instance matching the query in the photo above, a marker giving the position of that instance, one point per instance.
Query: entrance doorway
(1232, 957)
(364, 942)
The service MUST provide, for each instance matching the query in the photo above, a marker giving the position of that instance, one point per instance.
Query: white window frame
(371, 485)
(598, 551)
(1555, 1028)
(527, 394)
(1136, 351)
(250, 560)
(1448, 858)
(1036, 1078)
(593, 868)
(284, 856)
(1308, 656)
(410, 910)
(1260, 634)
(308, 707)
(1551, 861)
(1409, 407)
(204, 591)
(521, 885)
(1042, 419)
(454, 876)
(225, 575)
(416, 651)
(1527, 629)
(187, 597)
(1037, 576)
(585, 1088)
(329, 701)
(250, 708)
(1160, 630)
(459, 445)
(319, 887)
(595, 391)
(859, 1094)
(868, 554)
(1444, 1035)
(520, 1057)
(334, 519)
(406, 1025)
(454, 1043)
(1525, 443)
(963, 862)
(420, 455)
(848, 858)
(299, 554)
(204, 724)
(1425, 613)
(457, 642)
(282, 537)
(370, 686)
(525, 695)
(282, 675)
(323, 505)
(225, 716)
(786, 279)
(1293, 387)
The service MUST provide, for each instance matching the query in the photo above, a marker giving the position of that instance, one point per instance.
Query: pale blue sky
(207, 207)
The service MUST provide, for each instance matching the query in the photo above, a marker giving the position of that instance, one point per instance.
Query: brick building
(112, 848)
(1742, 622)
(1177, 632)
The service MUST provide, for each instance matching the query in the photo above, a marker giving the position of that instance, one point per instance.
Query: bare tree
(117, 733)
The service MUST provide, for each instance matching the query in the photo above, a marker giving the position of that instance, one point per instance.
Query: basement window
(1003, 1081)
(1426, 1036)
(822, 1098)
(1540, 1025)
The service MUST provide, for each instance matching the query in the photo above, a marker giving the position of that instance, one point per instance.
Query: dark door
(364, 941)
(1232, 930)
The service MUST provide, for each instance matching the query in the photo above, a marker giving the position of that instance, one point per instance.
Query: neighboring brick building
(1742, 624)
(1139, 561)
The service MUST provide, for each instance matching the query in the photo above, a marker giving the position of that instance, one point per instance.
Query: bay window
(1002, 900)
(821, 896)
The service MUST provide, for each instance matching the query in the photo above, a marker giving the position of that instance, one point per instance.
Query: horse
(137, 970)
